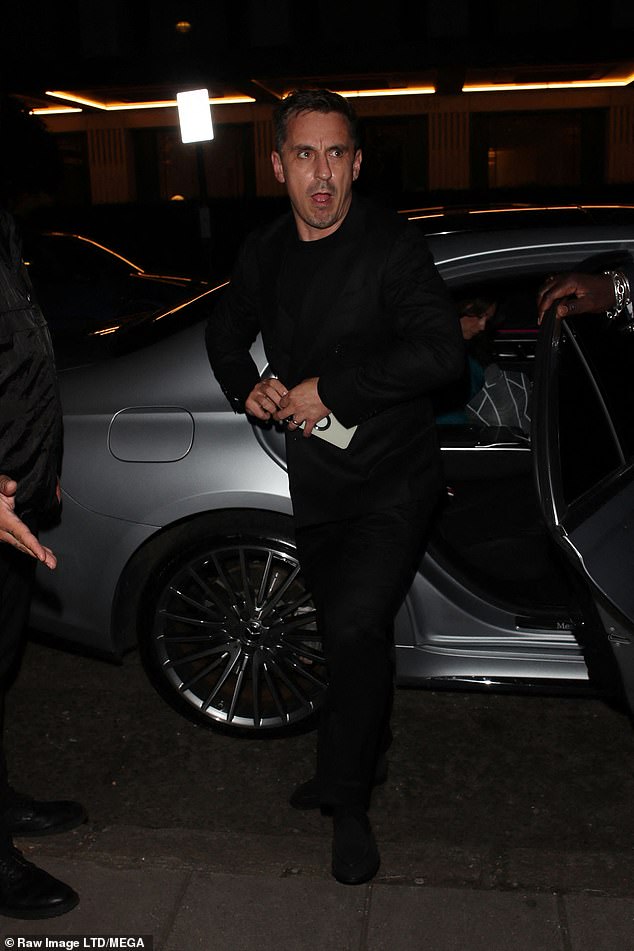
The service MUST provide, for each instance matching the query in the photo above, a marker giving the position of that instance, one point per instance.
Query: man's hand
(302, 405)
(582, 293)
(263, 401)
(14, 532)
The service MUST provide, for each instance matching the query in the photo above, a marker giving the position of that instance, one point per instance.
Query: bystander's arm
(577, 293)
(13, 530)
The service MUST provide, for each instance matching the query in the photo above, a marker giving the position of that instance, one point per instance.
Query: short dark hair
(475, 306)
(312, 100)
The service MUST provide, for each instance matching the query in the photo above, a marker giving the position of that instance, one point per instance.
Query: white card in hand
(330, 429)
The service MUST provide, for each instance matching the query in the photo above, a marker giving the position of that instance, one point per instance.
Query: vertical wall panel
(448, 150)
(111, 172)
(265, 183)
(620, 145)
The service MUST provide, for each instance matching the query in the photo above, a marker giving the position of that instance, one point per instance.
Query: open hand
(13, 530)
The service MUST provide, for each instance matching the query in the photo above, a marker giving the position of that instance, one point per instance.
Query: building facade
(490, 142)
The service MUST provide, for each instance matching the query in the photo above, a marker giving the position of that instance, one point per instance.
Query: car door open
(583, 441)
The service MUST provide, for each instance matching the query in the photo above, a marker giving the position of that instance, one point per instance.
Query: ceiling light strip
(572, 84)
(53, 110)
(150, 104)
(401, 91)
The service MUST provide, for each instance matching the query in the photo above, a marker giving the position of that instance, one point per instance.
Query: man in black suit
(358, 328)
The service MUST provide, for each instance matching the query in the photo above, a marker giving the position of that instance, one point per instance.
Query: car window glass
(608, 348)
(66, 258)
(589, 451)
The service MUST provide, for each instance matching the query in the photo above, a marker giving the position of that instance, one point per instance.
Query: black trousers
(17, 572)
(359, 570)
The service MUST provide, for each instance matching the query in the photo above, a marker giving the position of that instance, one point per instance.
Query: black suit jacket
(379, 330)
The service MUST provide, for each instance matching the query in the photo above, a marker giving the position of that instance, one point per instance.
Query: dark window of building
(394, 155)
(511, 149)
(146, 164)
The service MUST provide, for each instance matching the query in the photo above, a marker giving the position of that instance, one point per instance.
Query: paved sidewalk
(170, 884)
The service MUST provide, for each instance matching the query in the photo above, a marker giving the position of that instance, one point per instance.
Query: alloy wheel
(235, 639)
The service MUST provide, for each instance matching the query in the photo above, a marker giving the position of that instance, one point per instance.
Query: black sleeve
(425, 348)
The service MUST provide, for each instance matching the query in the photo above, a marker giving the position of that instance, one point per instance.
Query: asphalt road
(497, 791)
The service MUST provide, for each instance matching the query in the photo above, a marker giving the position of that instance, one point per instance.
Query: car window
(53, 258)
(510, 341)
(596, 403)
(115, 338)
(609, 349)
(590, 450)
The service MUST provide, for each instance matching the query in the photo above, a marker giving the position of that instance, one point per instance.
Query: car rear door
(583, 441)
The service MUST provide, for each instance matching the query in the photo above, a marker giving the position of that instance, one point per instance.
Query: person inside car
(450, 402)
(486, 394)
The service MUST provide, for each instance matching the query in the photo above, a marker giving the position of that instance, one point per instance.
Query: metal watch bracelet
(622, 295)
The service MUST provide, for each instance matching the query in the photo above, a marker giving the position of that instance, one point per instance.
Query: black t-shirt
(302, 263)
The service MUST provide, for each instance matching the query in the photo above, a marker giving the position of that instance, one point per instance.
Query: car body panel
(461, 256)
(162, 491)
(76, 601)
(447, 623)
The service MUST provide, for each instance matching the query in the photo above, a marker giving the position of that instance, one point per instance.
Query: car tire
(227, 630)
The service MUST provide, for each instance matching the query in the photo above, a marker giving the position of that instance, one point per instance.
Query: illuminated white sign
(194, 115)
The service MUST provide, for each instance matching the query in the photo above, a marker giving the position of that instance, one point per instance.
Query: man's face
(318, 164)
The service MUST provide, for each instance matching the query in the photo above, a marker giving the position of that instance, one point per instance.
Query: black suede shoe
(27, 891)
(28, 817)
(308, 795)
(355, 856)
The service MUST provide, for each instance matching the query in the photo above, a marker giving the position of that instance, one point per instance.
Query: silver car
(177, 537)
